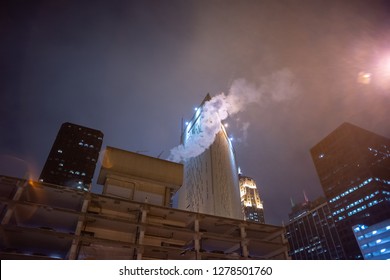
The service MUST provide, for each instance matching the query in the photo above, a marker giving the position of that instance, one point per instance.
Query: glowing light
(385, 65)
(364, 78)
(196, 108)
(226, 124)
(248, 204)
(31, 183)
(251, 186)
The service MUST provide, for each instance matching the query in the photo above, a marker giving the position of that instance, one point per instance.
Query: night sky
(135, 69)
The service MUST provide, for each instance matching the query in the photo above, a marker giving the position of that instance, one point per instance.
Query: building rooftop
(45, 221)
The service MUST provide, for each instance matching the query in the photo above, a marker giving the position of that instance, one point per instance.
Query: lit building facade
(311, 232)
(252, 206)
(73, 157)
(210, 179)
(353, 166)
(374, 240)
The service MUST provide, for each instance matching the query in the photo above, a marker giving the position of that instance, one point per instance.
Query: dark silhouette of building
(311, 232)
(73, 157)
(252, 206)
(353, 166)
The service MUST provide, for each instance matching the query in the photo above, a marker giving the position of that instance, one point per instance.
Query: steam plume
(278, 87)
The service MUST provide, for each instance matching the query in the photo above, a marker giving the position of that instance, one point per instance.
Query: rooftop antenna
(292, 202)
(305, 196)
(159, 155)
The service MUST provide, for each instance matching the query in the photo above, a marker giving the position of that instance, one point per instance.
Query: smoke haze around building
(277, 87)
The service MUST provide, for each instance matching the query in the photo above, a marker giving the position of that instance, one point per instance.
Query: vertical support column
(16, 197)
(197, 238)
(167, 198)
(244, 246)
(73, 252)
(141, 228)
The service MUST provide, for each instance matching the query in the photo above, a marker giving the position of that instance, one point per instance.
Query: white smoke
(244, 131)
(278, 87)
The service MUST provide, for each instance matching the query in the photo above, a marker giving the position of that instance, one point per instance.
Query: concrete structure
(138, 177)
(73, 157)
(311, 232)
(252, 206)
(374, 240)
(353, 166)
(46, 221)
(210, 179)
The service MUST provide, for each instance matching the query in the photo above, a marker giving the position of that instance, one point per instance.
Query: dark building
(353, 166)
(73, 157)
(311, 232)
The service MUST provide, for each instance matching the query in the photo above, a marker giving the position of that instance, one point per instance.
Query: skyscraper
(311, 232)
(374, 241)
(210, 179)
(73, 157)
(252, 205)
(353, 166)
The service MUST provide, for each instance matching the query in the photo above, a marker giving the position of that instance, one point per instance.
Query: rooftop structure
(138, 177)
(46, 221)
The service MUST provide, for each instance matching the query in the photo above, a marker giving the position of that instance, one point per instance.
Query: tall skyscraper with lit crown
(252, 206)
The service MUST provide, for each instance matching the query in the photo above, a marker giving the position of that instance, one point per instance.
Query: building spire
(305, 196)
(292, 202)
